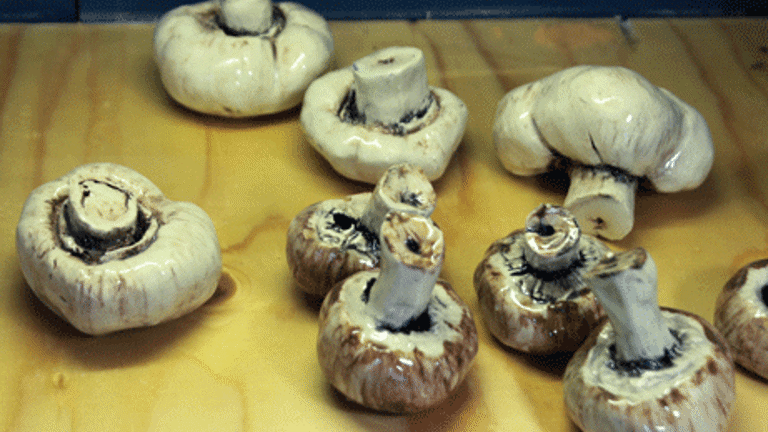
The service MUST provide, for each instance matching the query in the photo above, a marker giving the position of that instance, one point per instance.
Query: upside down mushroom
(646, 368)
(104, 249)
(397, 339)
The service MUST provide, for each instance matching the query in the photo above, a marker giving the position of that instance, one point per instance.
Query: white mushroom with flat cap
(241, 58)
(610, 127)
(380, 112)
(104, 249)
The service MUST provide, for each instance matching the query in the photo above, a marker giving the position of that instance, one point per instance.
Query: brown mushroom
(397, 339)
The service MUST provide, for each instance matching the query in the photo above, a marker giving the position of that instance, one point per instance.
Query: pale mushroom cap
(598, 115)
(174, 271)
(741, 316)
(211, 72)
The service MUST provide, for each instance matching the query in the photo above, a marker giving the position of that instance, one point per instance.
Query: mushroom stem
(412, 254)
(99, 210)
(247, 16)
(551, 238)
(391, 85)
(625, 284)
(603, 200)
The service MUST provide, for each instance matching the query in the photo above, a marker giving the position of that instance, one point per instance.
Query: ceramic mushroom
(380, 112)
(531, 288)
(647, 369)
(333, 239)
(104, 249)
(610, 127)
(741, 315)
(398, 340)
(241, 58)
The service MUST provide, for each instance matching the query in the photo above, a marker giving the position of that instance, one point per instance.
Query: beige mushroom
(531, 288)
(333, 239)
(380, 112)
(610, 127)
(104, 249)
(647, 369)
(241, 58)
(397, 339)
(741, 315)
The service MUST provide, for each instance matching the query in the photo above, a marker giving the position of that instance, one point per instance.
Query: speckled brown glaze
(523, 323)
(394, 371)
(742, 317)
(699, 401)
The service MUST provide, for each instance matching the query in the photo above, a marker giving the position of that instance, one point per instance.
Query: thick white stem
(101, 210)
(551, 238)
(247, 16)
(402, 188)
(625, 284)
(412, 252)
(602, 200)
(391, 84)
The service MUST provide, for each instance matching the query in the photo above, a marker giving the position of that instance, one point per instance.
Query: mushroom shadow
(310, 302)
(550, 364)
(311, 161)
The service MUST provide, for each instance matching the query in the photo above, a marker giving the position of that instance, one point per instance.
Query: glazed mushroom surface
(104, 249)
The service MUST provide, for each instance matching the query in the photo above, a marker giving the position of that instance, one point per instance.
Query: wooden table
(73, 94)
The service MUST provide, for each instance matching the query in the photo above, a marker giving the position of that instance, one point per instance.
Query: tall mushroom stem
(412, 255)
(603, 200)
(391, 85)
(625, 284)
(101, 211)
(551, 238)
(247, 16)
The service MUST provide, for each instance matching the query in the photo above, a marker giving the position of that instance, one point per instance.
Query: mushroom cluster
(531, 285)
(241, 58)
(609, 127)
(397, 339)
(104, 249)
(380, 112)
(647, 369)
(333, 239)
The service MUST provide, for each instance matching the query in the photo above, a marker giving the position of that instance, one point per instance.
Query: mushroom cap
(694, 394)
(209, 71)
(741, 315)
(170, 271)
(504, 281)
(399, 372)
(363, 153)
(604, 115)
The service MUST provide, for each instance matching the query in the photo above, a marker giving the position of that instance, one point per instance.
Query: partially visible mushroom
(398, 340)
(241, 58)
(381, 111)
(741, 315)
(610, 127)
(531, 287)
(647, 369)
(333, 239)
(104, 249)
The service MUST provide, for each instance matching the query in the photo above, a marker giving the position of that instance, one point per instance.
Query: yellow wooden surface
(245, 361)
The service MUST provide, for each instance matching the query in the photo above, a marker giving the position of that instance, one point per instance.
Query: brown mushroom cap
(741, 315)
(693, 394)
(396, 371)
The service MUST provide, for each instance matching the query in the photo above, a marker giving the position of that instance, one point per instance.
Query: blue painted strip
(28, 11)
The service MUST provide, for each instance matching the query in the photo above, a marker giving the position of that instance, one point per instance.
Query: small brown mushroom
(104, 249)
(397, 339)
(741, 315)
(333, 239)
(647, 369)
(530, 284)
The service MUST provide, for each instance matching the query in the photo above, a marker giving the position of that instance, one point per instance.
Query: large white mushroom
(610, 127)
(381, 111)
(241, 58)
(104, 249)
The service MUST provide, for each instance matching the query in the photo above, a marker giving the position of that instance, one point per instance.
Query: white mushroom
(241, 58)
(610, 126)
(647, 369)
(398, 340)
(333, 239)
(381, 111)
(531, 287)
(741, 314)
(104, 249)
